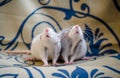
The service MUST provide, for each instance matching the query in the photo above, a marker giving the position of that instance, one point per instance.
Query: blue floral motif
(65, 73)
(9, 75)
(80, 73)
(95, 41)
(69, 13)
(113, 69)
(43, 76)
(44, 3)
(4, 2)
(31, 75)
(77, 73)
(17, 58)
(94, 74)
(29, 72)
(116, 2)
(4, 56)
(117, 56)
(4, 66)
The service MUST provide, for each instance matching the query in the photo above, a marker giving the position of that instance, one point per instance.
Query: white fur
(53, 45)
(74, 38)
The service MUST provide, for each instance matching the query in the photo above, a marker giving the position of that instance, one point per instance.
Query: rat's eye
(48, 36)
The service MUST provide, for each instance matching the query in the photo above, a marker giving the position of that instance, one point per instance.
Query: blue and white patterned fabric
(13, 66)
(21, 20)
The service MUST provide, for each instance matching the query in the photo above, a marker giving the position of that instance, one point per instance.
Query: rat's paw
(30, 59)
(46, 65)
(85, 58)
(55, 64)
(71, 62)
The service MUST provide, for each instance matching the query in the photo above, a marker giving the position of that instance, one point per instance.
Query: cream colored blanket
(21, 20)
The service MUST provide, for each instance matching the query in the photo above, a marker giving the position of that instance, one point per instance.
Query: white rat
(73, 44)
(46, 46)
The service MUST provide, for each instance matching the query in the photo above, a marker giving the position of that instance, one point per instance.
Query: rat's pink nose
(76, 29)
(47, 29)
(76, 26)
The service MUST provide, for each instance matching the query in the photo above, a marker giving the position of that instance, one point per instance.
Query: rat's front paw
(68, 63)
(55, 64)
(85, 58)
(30, 59)
(71, 62)
(46, 65)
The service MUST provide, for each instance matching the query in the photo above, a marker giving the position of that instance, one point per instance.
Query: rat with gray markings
(73, 44)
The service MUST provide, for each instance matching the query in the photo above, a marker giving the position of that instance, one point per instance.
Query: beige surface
(14, 13)
(103, 15)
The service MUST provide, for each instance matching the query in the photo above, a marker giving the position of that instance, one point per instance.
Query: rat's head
(75, 31)
(50, 34)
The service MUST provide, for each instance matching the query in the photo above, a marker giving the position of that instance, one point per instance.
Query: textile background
(21, 20)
